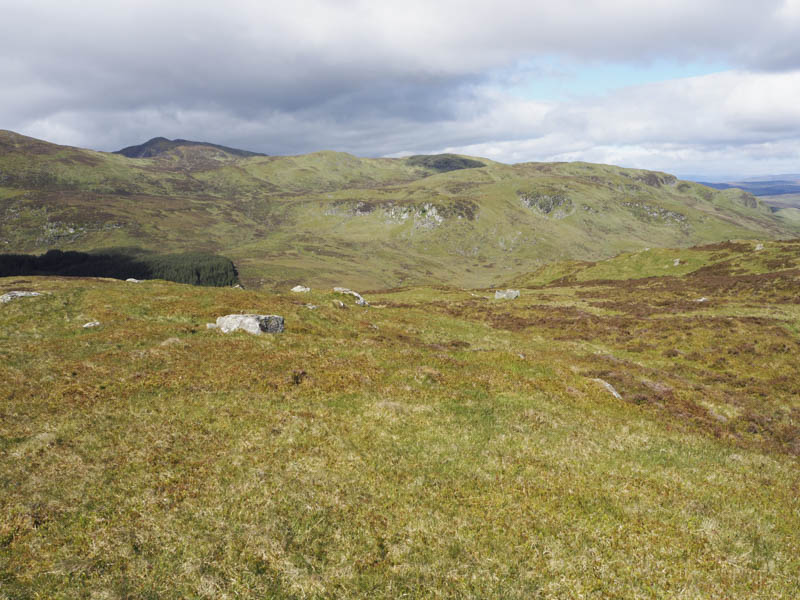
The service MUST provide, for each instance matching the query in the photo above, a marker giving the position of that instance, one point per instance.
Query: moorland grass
(436, 444)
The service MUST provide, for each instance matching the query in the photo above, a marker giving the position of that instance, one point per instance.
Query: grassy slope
(331, 218)
(436, 444)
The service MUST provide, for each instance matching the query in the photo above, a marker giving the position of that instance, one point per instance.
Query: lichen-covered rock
(255, 324)
(359, 300)
(11, 295)
(506, 294)
(301, 289)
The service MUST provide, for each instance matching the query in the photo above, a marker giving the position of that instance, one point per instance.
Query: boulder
(506, 294)
(359, 300)
(11, 295)
(301, 289)
(256, 324)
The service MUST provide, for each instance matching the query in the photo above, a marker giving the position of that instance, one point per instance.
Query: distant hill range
(330, 218)
(762, 186)
(160, 145)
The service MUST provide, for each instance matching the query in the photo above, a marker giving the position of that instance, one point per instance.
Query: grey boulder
(11, 295)
(359, 300)
(506, 294)
(256, 324)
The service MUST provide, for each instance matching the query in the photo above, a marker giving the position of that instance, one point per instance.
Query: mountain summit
(160, 145)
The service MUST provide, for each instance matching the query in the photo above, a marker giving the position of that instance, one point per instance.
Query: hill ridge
(334, 218)
(160, 145)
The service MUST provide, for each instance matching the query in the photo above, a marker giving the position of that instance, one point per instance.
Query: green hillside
(332, 218)
(627, 428)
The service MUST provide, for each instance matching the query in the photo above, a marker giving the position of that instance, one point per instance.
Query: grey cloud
(377, 78)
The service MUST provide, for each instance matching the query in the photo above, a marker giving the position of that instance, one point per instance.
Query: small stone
(211, 325)
(11, 295)
(609, 387)
(759, 247)
(506, 295)
(676, 262)
(255, 324)
(703, 299)
(91, 324)
(301, 289)
(338, 304)
(132, 280)
(311, 306)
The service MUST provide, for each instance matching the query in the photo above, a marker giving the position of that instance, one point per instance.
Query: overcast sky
(688, 86)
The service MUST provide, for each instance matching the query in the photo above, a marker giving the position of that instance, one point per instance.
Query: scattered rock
(359, 300)
(759, 247)
(301, 289)
(91, 324)
(311, 306)
(338, 304)
(211, 325)
(703, 299)
(238, 286)
(11, 295)
(255, 324)
(132, 280)
(676, 262)
(506, 295)
(609, 387)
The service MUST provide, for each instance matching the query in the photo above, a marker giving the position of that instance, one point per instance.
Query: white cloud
(734, 120)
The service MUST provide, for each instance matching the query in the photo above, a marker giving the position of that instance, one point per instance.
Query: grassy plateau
(436, 444)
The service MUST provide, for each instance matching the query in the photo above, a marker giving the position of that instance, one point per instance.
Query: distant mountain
(331, 218)
(766, 185)
(160, 145)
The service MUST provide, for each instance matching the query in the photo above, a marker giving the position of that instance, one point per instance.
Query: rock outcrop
(255, 324)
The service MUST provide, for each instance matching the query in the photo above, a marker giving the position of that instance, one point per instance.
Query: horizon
(718, 178)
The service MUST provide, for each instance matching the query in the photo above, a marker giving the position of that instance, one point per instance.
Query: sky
(707, 88)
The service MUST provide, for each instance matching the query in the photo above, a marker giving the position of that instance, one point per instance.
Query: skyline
(702, 88)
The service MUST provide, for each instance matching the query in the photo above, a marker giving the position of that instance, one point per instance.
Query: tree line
(196, 268)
